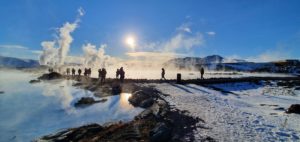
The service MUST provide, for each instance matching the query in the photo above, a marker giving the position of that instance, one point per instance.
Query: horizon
(196, 30)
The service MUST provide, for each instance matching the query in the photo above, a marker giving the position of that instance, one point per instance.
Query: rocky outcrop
(86, 101)
(34, 81)
(294, 108)
(51, 76)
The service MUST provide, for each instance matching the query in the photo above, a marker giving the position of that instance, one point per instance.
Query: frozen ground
(248, 113)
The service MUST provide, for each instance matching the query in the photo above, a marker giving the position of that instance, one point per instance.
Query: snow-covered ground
(247, 114)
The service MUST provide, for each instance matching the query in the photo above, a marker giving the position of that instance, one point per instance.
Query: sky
(256, 30)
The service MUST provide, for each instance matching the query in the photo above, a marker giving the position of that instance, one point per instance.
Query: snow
(237, 116)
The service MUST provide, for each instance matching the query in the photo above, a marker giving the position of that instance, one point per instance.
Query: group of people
(120, 72)
(102, 74)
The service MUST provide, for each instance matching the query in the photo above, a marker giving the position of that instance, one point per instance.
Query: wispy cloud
(279, 53)
(13, 46)
(211, 33)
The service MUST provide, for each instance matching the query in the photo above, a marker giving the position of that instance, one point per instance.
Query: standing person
(202, 72)
(85, 72)
(99, 74)
(73, 72)
(68, 71)
(103, 75)
(117, 73)
(122, 74)
(79, 72)
(90, 72)
(163, 73)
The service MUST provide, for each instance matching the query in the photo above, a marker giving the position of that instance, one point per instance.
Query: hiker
(79, 72)
(103, 75)
(68, 71)
(122, 74)
(99, 74)
(202, 72)
(85, 72)
(89, 72)
(163, 73)
(117, 73)
(73, 72)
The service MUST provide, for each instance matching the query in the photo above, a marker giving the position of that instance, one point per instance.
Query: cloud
(13, 47)
(81, 11)
(279, 53)
(185, 27)
(184, 39)
(211, 33)
(37, 51)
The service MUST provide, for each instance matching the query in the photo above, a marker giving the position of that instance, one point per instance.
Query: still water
(28, 111)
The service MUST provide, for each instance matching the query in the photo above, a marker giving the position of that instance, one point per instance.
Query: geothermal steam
(55, 52)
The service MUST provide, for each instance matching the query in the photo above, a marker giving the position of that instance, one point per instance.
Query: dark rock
(51, 76)
(34, 81)
(160, 133)
(294, 108)
(297, 88)
(85, 101)
(1, 92)
(116, 89)
(280, 108)
(147, 103)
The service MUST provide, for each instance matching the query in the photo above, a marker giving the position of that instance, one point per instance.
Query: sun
(130, 41)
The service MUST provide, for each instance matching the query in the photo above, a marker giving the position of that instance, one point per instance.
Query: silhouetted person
(79, 72)
(85, 72)
(117, 73)
(202, 72)
(99, 74)
(163, 74)
(122, 74)
(50, 70)
(103, 75)
(89, 72)
(73, 72)
(68, 71)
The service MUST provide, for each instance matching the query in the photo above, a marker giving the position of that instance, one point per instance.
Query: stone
(51, 76)
(160, 133)
(85, 101)
(294, 108)
(34, 81)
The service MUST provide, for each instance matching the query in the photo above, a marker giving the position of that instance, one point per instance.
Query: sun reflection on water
(124, 100)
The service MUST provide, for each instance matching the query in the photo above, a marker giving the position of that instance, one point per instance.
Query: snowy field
(251, 112)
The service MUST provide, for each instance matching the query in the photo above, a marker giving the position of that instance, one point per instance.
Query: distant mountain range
(12, 62)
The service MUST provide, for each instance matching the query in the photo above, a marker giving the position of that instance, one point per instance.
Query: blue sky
(256, 29)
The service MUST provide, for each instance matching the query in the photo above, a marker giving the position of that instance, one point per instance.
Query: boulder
(85, 101)
(294, 108)
(50, 76)
(34, 81)
(160, 133)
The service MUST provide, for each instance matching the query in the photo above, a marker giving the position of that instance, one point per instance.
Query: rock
(85, 101)
(147, 103)
(34, 81)
(116, 89)
(51, 76)
(294, 108)
(279, 108)
(1, 92)
(160, 133)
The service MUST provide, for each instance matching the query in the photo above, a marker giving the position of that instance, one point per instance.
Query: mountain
(12, 62)
(192, 62)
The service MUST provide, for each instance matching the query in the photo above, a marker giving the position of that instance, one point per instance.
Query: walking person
(202, 72)
(100, 74)
(163, 74)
